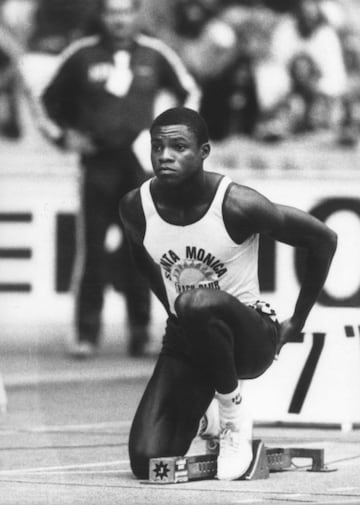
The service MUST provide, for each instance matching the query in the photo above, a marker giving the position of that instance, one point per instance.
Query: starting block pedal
(171, 470)
(282, 458)
(259, 467)
(182, 469)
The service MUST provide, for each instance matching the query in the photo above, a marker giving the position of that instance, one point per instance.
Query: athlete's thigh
(254, 338)
(169, 412)
(254, 334)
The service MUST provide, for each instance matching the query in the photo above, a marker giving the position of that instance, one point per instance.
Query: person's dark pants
(107, 177)
(214, 341)
(10, 122)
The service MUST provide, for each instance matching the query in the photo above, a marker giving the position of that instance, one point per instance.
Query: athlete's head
(179, 145)
(186, 117)
(120, 19)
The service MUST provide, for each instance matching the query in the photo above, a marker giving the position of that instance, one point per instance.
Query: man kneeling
(194, 234)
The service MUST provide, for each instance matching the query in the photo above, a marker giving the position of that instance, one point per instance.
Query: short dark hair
(183, 116)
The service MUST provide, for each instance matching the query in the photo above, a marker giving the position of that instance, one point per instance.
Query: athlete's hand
(289, 330)
(77, 141)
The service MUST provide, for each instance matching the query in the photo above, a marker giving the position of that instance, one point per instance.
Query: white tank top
(201, 254)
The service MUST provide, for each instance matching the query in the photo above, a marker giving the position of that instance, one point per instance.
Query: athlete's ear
(205, 150)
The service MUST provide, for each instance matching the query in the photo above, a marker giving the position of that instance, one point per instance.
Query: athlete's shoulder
(245, 197)
(247, 211)
(130, 202)
(132, 214)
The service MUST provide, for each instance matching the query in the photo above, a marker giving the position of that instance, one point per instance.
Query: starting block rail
(171, 470)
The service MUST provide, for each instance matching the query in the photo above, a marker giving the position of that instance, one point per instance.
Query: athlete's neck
(184, 194)
(186, 204)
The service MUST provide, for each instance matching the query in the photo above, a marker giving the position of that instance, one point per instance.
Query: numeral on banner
(307, 373)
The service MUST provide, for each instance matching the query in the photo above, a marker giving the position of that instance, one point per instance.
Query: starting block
(173, 470)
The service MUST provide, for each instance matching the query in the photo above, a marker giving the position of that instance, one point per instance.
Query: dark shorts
(175, 342)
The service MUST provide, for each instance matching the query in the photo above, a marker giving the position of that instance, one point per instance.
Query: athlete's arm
(133, 219)
(302, 230)
(289, 225)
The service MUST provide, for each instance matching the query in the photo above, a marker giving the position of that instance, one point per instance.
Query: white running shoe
(209, 426)
(235, 454)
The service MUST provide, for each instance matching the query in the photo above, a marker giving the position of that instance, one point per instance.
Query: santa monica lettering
(206, 258)
(167, 261)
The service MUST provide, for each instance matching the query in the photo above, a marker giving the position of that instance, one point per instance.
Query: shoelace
(202, 426)
(229, 441)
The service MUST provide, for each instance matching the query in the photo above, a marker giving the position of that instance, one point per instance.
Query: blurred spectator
(101, 99)
(229, 101)
(307, 65)
(350, 126)
(253, 24)
(344, 17)
(208, 46)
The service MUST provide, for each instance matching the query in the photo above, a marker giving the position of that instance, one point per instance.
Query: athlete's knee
(194, 304)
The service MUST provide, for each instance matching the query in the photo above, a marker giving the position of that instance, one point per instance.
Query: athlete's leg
(228, 340)
(169, 412)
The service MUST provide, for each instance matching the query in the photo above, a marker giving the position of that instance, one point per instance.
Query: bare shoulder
(130, 200)
(249, 204)
(132, 214)
(247, 212)
(247, 197)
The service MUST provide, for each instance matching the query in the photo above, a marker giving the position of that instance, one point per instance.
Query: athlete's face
(176, 154)
(120, 18)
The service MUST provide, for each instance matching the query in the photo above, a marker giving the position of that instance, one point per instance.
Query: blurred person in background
(349, 130)
(208, 46)
(308, 71)
(253, 23)
(344, 16)
(101, 99)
